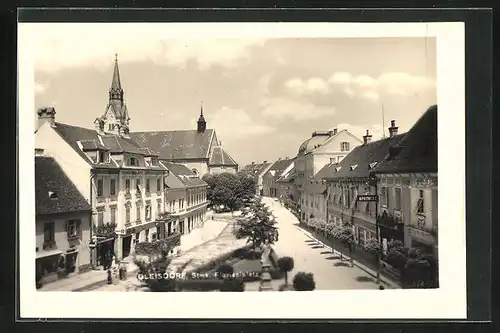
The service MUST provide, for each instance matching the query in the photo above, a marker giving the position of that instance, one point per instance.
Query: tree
(304, 282)
(286, 265)
(229, 189)
(256, 224)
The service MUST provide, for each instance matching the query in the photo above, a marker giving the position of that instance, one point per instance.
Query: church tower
(115, 119)
(202, 124)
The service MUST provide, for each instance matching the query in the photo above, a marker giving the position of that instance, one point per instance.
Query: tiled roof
(288, 177)
(176, 145)
(88, 145)
(119, 144)
(73, 134)
(256, 169)
(313, 143)
(221, 157)
(315, 185)
(148, 152)
(280, 165)
(184, 175)
(359, 162)
(50, 178)
(418, 151)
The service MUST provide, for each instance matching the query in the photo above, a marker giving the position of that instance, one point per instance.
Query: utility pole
(383, 121)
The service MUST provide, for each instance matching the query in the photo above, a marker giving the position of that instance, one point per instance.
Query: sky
(263, 96)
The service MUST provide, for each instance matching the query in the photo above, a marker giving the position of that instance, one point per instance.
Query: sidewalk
(371, 272)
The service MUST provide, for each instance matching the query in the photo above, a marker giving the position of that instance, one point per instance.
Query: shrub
(286, 265)
(224, 271)
(232, 285)
(396, 259)
(304, 282)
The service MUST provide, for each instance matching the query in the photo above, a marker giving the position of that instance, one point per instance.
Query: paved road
(329, 272)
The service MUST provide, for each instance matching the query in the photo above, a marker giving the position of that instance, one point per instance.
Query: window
(72, 227)
(133, 161)
(154, 160)
(112, 187)
(138, 213)
(102, 157)
(127, 214)
(100, 188)
(420, 202)
(158, 185)
(153, 237)
(147, 185)
(48, 232)
(110, 127)
(138, 185)
(173, 205)
(148, 212)
(333, 160)
(181, 227)
(397, 195)
(113, 214)
(158, 207)
(100, 217)
(127, 185)
(383, 196)
(344, 146)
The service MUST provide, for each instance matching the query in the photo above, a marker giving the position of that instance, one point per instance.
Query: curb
(357, 264)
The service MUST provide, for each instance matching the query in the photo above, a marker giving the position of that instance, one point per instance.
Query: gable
(333, 144)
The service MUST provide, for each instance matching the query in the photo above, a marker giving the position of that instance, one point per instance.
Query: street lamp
(372, 181)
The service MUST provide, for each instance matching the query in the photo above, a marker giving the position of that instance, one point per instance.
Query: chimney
(47, 114)
(393, 130)
(265, 161)
(253, 163)
(334, 131)
(279, 158)
(367, 138)
(39, 152)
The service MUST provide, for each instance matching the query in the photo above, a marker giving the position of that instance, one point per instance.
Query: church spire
(116, 91)
(202, 124)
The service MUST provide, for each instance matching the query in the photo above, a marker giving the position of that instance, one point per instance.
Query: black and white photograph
(242, 158)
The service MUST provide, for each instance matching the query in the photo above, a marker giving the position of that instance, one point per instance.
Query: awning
(44, 254)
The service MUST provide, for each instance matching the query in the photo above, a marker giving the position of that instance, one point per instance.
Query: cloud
(95, 45)
(360, 130)
(367, 87)
(295, 110)
(235, 123)
(264, 82)
(311, 86)
(39, 88)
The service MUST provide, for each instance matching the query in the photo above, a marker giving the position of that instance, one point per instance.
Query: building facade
(200, 150)
(185, 199)
(258, 170)
(313, 201)
(119, 178)
(408, 184)
(320, 149)
(270, 177)
(353, 176)
(63, 223)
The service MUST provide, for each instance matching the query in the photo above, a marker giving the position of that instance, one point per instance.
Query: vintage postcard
(256, 159)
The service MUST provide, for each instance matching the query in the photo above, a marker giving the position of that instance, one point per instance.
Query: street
(329, 272)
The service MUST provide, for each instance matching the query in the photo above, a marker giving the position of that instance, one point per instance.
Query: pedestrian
(381, 287)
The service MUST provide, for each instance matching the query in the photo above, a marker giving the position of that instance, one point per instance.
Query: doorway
(126, 245)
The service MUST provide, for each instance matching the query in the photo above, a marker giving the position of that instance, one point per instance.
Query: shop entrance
(126, 245)
(104, 249)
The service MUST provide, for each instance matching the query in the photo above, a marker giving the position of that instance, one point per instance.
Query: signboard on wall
(367, 198)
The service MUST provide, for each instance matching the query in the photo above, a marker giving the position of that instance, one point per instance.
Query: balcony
(138, 221)
(128, 224)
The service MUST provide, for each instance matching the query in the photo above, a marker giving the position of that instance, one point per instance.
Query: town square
(191, 169)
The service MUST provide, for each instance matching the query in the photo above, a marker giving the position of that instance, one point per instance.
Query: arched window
(195, 171)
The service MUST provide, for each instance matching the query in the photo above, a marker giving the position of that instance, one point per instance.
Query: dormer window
(353, 167)
(154, 160)
(133, 161)
(52, 195)
(103, 157)
(372, 165)
(337, 169)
